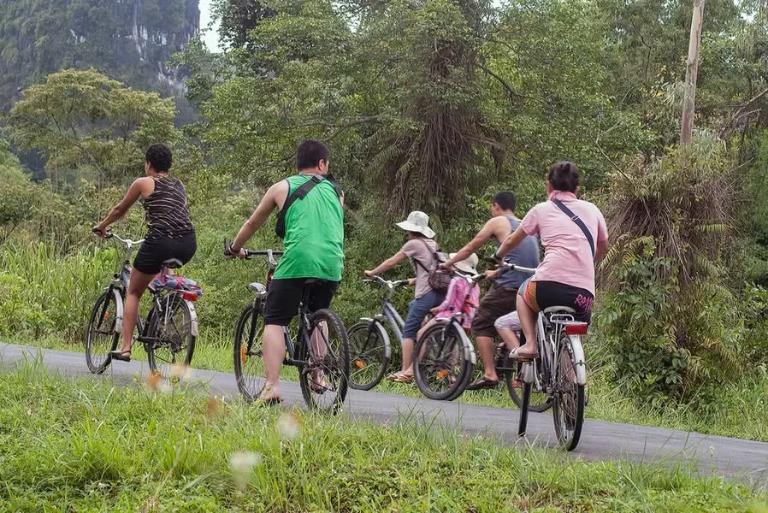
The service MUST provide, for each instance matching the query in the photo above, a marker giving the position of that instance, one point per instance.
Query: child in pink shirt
(463, 296)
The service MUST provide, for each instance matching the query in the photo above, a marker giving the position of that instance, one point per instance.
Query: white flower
(288, 426)
(242, 464)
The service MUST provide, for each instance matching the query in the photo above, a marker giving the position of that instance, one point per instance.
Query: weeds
(86, 446)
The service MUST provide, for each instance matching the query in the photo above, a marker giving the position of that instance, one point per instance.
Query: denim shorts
(418, 309)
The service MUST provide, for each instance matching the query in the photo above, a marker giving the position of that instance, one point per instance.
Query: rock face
(129, 40)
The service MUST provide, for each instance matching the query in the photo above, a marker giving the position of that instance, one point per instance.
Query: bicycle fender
(193, 318)
(119, 309)
(469, 349)
(382, 331)
(579, 362)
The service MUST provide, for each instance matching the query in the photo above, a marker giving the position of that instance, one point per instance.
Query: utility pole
(691, 74)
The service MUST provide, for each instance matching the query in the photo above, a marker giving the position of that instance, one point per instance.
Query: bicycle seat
(172, 263)
(559, 310)
(257, 288)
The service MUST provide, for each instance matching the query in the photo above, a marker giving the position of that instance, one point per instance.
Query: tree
(691, 73)
(18, 196)
(82, 120)
(237, 19)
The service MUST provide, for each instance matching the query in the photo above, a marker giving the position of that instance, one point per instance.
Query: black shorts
(155, 251)
(496, 302)
(541, 295)
(284, 296)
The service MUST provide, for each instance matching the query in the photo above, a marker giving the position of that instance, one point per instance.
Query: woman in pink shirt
(574, 236)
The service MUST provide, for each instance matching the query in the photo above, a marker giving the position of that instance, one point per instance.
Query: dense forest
(130, 40)
(432, 105)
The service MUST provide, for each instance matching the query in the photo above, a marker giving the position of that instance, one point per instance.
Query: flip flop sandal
(123, 356)
(403, 378)
(483, 383)
(518, 355)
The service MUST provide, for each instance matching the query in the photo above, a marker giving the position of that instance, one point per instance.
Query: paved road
(727, 457)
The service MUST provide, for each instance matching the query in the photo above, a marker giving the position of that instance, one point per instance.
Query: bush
(669, 318)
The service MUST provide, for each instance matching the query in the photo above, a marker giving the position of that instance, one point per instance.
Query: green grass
(741, 410)
(88, 446)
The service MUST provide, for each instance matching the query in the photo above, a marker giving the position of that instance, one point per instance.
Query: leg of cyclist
(273, 347)
(417, 310)
(528, 315)
(507, 326)
(137, 284)
(495, 303)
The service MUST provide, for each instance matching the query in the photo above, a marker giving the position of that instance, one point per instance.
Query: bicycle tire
(369, 352)
(324, 377)
(538, 401)
(102, 309)
(247, 352)
(522, 425)
(568, 405)
(441, 369)
(164, 341)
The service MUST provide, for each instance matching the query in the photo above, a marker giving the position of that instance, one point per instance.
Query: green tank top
(314, 234)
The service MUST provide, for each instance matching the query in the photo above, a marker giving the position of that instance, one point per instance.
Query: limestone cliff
(130, 40)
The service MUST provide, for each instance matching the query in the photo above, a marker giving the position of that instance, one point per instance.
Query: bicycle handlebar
(261, 252)
(513, 267)
(386, 283)
(126, 242)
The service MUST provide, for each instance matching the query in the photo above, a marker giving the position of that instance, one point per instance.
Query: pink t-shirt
(567, 255)
(462, 296)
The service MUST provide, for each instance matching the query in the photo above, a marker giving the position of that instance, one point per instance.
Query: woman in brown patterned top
(170, 233)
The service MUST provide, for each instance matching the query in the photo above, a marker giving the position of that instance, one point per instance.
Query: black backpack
(300, 193)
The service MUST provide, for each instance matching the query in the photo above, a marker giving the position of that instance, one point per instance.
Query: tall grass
(43, 292)
(88, 446)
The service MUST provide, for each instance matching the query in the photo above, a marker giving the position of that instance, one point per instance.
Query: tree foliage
(82, 120)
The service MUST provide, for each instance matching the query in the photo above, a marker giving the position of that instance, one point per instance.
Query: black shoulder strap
(576, 219)
(433, 253)
(301, 191)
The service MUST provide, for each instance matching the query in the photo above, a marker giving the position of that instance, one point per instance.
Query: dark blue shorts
(418, 309)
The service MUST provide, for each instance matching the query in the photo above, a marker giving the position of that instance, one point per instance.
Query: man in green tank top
(314, 250)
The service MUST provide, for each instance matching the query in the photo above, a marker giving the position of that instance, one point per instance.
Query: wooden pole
(691, 74)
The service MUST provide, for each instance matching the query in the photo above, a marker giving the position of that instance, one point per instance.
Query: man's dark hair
(506, 200)
(564, 176)
(159, 157)
(310, 153)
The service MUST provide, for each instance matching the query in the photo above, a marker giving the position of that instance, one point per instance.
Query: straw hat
(417, 222)
(468, 265)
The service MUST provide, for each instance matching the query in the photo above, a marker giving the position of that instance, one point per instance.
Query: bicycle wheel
(325, 350)
(441, 367)
(369, 354)
(249, 364)
(169, 340)
(100, 336)
(568, 405)
(538, 400)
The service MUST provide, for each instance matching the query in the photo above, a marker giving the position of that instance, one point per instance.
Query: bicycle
(439, 380)
(559, 371)
(320, 349)
(444, 357)
(369, 343)
(169, 331)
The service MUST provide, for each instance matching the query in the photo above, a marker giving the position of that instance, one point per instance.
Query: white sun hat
(417, 222)
(468, 265)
